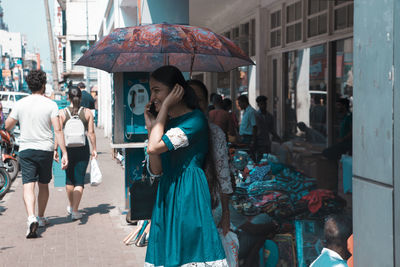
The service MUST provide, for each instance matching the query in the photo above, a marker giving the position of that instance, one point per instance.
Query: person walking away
(221, 117)
(182, 228)
(36, 114)
(248, 124)
(79, 155)
(265, 127)
(87, 99)
(337, 230)
(217, 162)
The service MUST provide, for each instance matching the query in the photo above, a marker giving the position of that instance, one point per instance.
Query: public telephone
(136, 96)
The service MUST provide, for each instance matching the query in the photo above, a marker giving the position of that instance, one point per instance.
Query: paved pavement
(95, 240)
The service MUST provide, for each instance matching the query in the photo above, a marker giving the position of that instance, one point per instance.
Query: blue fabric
(182, 228)
(248, 121)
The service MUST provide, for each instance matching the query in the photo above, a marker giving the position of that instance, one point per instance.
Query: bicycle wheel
(5, 182)
(12, 168)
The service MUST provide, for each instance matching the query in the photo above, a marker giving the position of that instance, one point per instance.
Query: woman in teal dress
(182, 231)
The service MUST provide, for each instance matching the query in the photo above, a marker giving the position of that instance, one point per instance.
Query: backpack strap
(69, 112)
(81, 109)
(66, 110)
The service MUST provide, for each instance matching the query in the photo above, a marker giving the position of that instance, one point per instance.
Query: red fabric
(315, 198)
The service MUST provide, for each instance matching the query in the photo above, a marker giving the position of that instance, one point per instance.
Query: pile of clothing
(272, 188)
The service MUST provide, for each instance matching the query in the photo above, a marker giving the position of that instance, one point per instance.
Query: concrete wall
(376, 129)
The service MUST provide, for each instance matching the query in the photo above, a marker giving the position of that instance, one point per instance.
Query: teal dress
(182, 227)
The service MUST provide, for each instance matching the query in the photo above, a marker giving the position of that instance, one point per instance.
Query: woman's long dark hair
(209, 164)
(75, 95)
(171, 75)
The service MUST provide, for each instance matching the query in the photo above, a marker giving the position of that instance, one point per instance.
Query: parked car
(9, 98)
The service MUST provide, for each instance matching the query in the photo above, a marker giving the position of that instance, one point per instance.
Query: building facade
(303, 50)
(73, 25)
(117, 14)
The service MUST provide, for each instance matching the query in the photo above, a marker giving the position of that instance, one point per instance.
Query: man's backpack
(74, 131)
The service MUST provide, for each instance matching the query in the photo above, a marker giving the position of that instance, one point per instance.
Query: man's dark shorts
(36, 166)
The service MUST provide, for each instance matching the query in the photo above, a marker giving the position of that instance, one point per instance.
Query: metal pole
(53, 57)
(87, 46)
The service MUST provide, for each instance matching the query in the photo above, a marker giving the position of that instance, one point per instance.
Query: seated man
(251, 233)
(312, 135)
(337, 230)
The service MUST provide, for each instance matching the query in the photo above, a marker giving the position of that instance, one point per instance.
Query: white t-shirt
(34, 114)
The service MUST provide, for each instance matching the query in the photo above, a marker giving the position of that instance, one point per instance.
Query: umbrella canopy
(145, 48)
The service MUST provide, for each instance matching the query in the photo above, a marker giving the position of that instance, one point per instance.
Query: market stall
(289, 197)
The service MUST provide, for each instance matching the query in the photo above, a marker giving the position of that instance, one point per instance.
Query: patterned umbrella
(145, 48)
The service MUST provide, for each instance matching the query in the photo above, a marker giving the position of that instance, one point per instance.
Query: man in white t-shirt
(36, 115)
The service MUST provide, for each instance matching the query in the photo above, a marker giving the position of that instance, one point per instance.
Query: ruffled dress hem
(217, 263)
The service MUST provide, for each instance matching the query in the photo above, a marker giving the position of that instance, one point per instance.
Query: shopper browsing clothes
(182, 229)
(36, 115)
(248, 124)
(78, 154)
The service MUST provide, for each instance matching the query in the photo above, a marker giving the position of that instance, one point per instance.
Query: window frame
(294, 22)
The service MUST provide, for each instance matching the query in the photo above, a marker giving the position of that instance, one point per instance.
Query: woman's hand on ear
(174, 97)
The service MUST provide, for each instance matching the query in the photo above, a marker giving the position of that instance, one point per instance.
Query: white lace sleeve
(177, 138)
(220, 152)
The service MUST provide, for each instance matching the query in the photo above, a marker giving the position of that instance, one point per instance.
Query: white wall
(76, 17)
(117, 17)
(11, 43)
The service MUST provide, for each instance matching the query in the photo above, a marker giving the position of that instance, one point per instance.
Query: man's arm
(60, 141)
(10, 123)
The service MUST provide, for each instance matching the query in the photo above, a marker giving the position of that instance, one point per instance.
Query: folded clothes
(316, 197)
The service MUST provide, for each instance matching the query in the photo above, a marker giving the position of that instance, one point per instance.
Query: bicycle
(5, 180)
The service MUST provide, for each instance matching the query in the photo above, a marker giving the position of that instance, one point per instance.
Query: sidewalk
(95, 240)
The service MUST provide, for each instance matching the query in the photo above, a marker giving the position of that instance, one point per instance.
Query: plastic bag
(230, 243)
(95, 173)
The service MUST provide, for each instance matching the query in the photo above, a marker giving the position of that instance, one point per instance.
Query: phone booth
(131, 93)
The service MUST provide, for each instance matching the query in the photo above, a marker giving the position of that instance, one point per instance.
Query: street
(95, 240)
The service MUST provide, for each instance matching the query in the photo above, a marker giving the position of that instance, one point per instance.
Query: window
(276, 29)
(235, 35)
(306, 94)
(293, 12)
(76, 52)
(244, 37)
(252, 38)
(223, 83)
(317, 22)
(343, 88)
(343, 14)
(293, 19)
(19, 97)
(316, 6)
